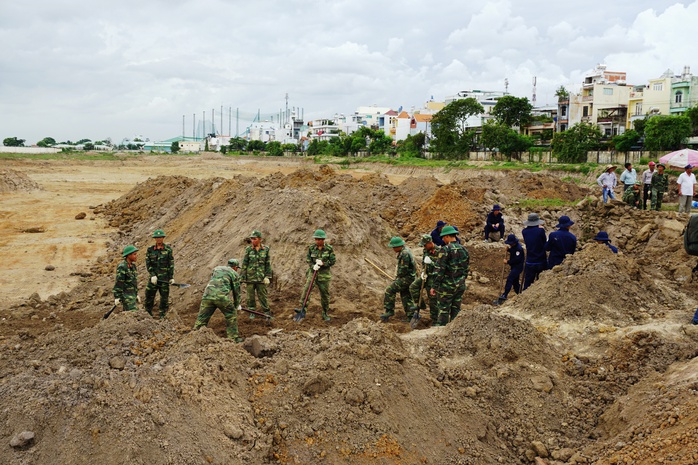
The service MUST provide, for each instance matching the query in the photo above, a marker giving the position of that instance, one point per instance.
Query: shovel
(300, 313)
(416, 317)
(106, 315)
(254, 312)
(181, 286)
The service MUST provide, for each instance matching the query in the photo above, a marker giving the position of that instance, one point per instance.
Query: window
(563, 127)
(607, 132)
(658, 86)
(638, 108)
(678, 97)
(563, 110)
(585, 111)
(607, 91)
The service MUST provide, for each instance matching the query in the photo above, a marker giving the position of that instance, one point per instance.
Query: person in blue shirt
(535, 240)
(436, 234)
(602, 238)
(561, 242)
(494, 223)
(516, 263)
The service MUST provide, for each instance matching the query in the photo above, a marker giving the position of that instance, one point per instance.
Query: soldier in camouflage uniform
(406, 269)
(224, 280)
(160, 265)
(633, 196)
(256, 272)
(451, 271)
(659, 185)
(425, 281)
(126, 285)
(321, 257)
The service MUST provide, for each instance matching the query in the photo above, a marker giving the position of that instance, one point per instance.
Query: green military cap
(426, 238)
(129, 249)
(233, 263)
(448, 230)
(396, 242)
(256, 233)
(159, 233)
(319, 234)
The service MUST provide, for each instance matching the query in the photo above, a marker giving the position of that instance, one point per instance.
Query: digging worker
(561, 242)
(126, 285)
(686, 188)
(406, 270)
(633, 197)
(647, 184)
(534, 238)
(451, 272)
(494, 223)
(160, 265)
(602, 238)
(607, 180)
(516, 264)
(628, 177)
(224, 280)
(256, 272)
(436, 233)
(430, 254)
(660, 185)
(320, 258)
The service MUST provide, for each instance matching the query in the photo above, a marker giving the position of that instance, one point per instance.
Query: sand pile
(13, 180)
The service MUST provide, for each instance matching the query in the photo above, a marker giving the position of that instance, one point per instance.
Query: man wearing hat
(256, 272)
(436, 233)
(561, 242)
(647, 184)
(633, 196)
(602, 238)
(628, 177)
(535, 240)
(320, 258)
(224, 280)
(452, 269)
(160, 265)
(607, 180)
(430, 254)
(406, 271)
(126, 285)
(660, 185)
(687, 189)
(494, 223)
(516, 264)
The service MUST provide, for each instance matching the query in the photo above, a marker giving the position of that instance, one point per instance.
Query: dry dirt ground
(595, 363)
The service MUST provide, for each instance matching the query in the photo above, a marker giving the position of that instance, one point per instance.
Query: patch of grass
(64, 156)
(544, 203)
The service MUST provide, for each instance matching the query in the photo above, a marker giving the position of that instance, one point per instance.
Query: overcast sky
(123, 68)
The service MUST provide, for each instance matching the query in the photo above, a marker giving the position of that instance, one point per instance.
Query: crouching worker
(224, 280)
(516, 263)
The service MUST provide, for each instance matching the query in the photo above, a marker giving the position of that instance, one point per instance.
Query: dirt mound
(13, 180)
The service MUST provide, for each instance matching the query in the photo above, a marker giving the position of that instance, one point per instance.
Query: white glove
(266, 281)
(171, 281)
(154, 279)
(423, 276)
(117, 301)
(316, 267)
(318, 262)
(428, 260)
(138, 299)
(239, 309)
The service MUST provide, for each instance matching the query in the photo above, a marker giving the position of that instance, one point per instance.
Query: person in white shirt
(608, 181)
(647, 185)
(687, 189)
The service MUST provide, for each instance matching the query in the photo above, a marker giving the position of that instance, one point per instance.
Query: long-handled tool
(254, 312)
(106, 315)
(416, 316)
(498, 300)
(379, 269)
(180, 285)
(300, 313)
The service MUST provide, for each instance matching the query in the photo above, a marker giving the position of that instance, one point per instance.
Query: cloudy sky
(119, 69)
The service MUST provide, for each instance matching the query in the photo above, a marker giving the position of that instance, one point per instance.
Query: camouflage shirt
(631, 197)
(430, 269)
(406, 267)
(326, 254)
(660, 182)
(452, 267)
(256, 265)
(160, 262)
(223, 281)
(126, 280)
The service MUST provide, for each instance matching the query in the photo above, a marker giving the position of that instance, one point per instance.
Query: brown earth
(595, 363)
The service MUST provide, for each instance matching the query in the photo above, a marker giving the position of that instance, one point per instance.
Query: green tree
(504, 139)
(274, 148)
(13, 142)
(512, 111)
(87, 146)
(452, 136)
(624, 142)
(318, 147)
(663, 132)
(639, 126)
(85, 141)
(46, 142)
(692, 114)
(256, 145)
(571, 146)
(237, 144)
(174, 147)
(562, 94)
(293, 148)
(412, 145)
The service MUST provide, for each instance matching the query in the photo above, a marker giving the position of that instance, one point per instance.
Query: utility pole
(221, 118)
(183, 120)
(237, 122)
(203, 127)
(533, 100)
(193, 126)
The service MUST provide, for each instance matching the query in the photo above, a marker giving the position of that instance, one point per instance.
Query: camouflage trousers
(323, 286)
(656, 201)
(416, 292)
(261, 290)
(449, 300)
(129, 302)
(401, 286)
(209, 306)
(163, 287)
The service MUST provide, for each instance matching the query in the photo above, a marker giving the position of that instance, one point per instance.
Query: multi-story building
(486, 98)
(602, 101)
(684, 92)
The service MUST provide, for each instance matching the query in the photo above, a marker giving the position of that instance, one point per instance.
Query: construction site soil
(594, 364)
